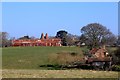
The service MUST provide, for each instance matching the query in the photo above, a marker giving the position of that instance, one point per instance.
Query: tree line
(93, 35)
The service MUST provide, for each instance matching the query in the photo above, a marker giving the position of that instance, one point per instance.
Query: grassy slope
(26, 59)
(30, 57)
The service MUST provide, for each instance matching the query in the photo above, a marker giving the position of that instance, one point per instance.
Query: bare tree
(4, 39)
(95, 34)
(71, 39)
(118, 40)
(110, 40)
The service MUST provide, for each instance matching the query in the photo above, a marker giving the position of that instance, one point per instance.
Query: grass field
(58, 74)
(31, 57)
(24, 62)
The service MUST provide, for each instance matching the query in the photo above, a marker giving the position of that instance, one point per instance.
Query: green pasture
(31, 57)
(24, 62)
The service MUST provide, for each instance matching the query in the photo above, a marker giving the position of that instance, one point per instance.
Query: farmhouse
(99, 53)
(43, 41)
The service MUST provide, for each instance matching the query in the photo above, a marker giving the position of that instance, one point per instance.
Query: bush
(64, 58)
(116, 68)
(52, 66)
(116, 56)
(73, 54)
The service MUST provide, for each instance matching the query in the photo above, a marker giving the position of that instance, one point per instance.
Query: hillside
(32, 57)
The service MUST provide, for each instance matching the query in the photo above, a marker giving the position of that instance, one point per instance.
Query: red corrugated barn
(44, 41)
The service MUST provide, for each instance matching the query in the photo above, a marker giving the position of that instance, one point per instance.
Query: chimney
(46, 36)
(42, 36)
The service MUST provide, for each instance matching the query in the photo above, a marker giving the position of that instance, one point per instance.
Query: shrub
(116, 56)
(73, 54)
(52, 66)
(116, 68)
(64, 58)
